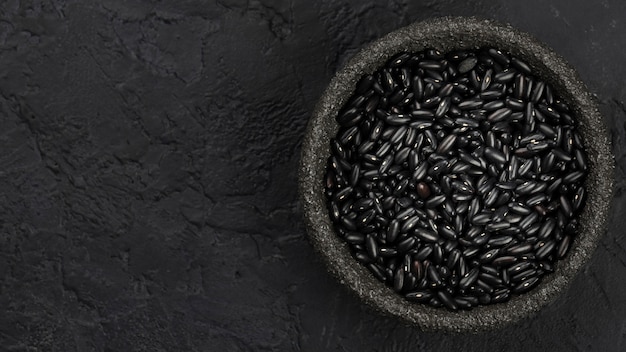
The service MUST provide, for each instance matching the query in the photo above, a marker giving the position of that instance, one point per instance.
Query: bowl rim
(447, 34)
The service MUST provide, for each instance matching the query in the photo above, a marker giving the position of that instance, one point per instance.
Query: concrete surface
(148, 175)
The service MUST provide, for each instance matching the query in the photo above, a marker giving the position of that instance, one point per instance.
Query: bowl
(447, 34)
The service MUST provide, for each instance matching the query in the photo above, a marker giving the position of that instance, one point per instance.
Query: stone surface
(148, 173)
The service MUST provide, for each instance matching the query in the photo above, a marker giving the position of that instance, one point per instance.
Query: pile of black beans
(456, 178)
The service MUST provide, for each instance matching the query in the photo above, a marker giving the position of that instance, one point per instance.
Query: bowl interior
(447, 34)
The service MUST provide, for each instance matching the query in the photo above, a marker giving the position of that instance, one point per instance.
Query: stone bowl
(447, 34)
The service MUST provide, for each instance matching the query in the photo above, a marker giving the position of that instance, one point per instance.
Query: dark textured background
(148, 156)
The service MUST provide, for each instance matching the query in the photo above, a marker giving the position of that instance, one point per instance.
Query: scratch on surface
(557, 14)
(603, 292)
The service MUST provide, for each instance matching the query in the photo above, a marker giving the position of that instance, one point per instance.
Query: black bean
(492, 197)
(548, 111)
(388, 83)
(485, 287)
(431, 65)
(499, 241)
(398, 135)
(519, 208)
(420, 171)
(469, 278)
(579, 198)
(398, 280)
(489, 256)
(431, 102)
(502, 126)
(481, 219)
(566, 206)
(574, 177)
(355, 238)
(537, 92)
(426, 235)
(433, 275)
(581, 159)
(343, 194)
(520, 267)
(363, 204)
(419, 296)
(443, 107)
(563, 246)
(481, 239)
(485, 298)
(533, 229)
(519, 86)
(474, 231)
(447, 232)
(405, 214)
(418, 88)
(409, 224)
(519, 249)
(446, 144)
(525, 274)
(526, 285)
(543, 249)
(463, 187)
(547, 162)
(447, 300)
(472, 251)
(546, 228)
(495, 155)
(400, 59)
(435, 201)
(366, 217)
(497, 226)
(491, 94)
(378, 271)
(493, 105)
(453, 258)
(425, 251)
(393, 231)
(406, 244)
(467, 65)
(466, 302)
(505, 76)
(486, 80)
(372, 246)
(491, 279)
(362, 257)
(386, 252)
(500, 115)
(475, 79)
(446, 90)
(435, 303)
(527, 187)
(469, 159)
(499, 56)
(423, 190)
(505, 260)
(546, 267)
(521, 65)
(471, 104)
(526, 166)
(501, 295)
(536, 199)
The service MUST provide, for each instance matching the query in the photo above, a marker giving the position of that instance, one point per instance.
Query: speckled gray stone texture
(448, 34)
(148, 176)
